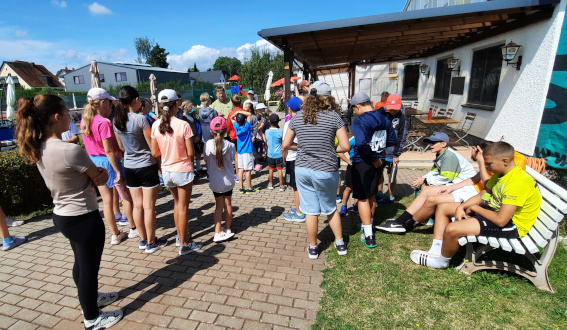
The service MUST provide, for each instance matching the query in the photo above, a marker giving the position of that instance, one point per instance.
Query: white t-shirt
(220, 181)
(73, 130)
(291, 154)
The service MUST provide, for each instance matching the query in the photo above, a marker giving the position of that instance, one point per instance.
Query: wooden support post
(288, 65)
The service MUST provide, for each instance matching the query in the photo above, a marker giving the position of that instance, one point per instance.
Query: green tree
(143, 48)
(194, 69)
(158, 57)
(254, 72)
(228, 65)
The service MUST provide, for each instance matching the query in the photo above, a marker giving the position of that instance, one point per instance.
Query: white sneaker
(270, 186)
(104, 320)
(13, 222)
(106, 298)
(133, 233)
(116, 239)
(222, 236)
(282, 188)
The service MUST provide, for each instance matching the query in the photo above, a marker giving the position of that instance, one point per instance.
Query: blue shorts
(102, 161)
(317, 191)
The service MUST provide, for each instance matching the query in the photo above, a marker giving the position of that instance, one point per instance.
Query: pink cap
(394, 102)
(218, 123)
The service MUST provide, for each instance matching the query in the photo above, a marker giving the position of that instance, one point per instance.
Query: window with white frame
(485, 76)
(121, 76)
(79, 80)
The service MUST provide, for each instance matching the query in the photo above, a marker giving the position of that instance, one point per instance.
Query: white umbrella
(95, 80)
(268, 83)
(153, 91)
(10, 98)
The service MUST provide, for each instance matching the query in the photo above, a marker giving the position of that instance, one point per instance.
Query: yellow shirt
(519, 160)
(519, 189)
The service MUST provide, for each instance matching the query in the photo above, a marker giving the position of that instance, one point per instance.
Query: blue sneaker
(342, 212)
(294, 217)
(339, 199)
(313, 252)
(384, 200)
(158, 244)
(122, 222)
(293, 210)
(143, 244)
(191, 247)
(15, 241)
(341, 249)
(236, 178)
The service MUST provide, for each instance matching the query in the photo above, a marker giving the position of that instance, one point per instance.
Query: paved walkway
(262, 279)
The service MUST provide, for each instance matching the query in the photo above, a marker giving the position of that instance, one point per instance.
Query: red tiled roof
(34, 75)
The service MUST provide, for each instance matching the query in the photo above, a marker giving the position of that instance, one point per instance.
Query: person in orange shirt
(382, 102)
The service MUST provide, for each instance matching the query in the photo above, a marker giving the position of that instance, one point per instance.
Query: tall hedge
(22, 189)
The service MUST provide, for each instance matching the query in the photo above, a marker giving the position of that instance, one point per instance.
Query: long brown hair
(316, 103)
(126, 95)
(32, 118)
(219, 137)
(164, 126)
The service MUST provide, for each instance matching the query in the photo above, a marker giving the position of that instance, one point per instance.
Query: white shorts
(464, 193)
(246, 161)
(177, 179)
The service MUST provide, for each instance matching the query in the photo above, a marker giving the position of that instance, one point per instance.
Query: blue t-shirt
(274, 139)
(244, 137)
(351, 152)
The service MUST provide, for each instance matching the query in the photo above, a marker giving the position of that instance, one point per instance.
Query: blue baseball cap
(437, 137)
(294, 103)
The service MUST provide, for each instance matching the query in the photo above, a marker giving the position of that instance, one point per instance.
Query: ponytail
(164, 126)
(127, 95)
(219, 137)
(88, 114)
(32, 118)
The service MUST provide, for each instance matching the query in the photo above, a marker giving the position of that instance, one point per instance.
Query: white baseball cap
(167, 95)
(95, 94)
(260, 106)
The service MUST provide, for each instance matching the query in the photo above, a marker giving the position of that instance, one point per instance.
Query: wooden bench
(538, 245)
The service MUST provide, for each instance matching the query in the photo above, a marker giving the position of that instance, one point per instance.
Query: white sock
(436, 247)
(339, 241)
(367, 230)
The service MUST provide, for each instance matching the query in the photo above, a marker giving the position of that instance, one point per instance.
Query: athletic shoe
(369, 241)
(236, 178)
(293, 210)
(143, 244)
(133, 233)
(341, 249)
(161, 181)
(313, 252)
(117, 217)
(430, 222)
(355, 208)
(294, 217)
(384, 200)
(13, 243)
(191, 247)
(158, 244)
(343, 210)
(122, 222)
(177, 240)
(270, 187)
(339, 199)
(222, 236)
(116, 239)
(252, 191)
(391, 226)
(282, 188)
(242, 191)
(104, 320)
(228, 231)
(13, 222)
(107, 298)
(257, 167)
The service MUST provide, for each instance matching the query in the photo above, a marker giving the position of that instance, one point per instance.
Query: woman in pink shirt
(100, 144)
(171, 139)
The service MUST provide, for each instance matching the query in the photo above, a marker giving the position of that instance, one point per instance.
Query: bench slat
(504, 244)
(545, 233)
(482, 239)
(536, 237)
(462, 240)
(547, 221)
(548, 184)
(529, 244)
(553, 199)
(517, 246)
(493, 242)
(471, 239)
(551, 211)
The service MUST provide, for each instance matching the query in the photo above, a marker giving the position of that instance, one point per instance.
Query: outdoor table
(437, 123)
(411, 113)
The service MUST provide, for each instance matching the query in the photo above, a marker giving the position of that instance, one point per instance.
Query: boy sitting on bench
(506, 208)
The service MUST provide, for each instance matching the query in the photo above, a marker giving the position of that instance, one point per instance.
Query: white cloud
(24, 49)
(21, 33)
(61, 4)
(97, 9)
(205, 56)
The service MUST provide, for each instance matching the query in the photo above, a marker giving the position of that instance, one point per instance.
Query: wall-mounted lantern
(509, 52)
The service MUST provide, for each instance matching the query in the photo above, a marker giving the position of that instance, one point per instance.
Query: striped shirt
(316, 143)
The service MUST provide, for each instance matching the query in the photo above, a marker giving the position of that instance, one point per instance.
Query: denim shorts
(177, 179)
(317, 191)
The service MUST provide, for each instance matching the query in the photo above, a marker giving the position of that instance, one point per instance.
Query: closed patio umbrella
(268, 83)
(95, 79)
(153, 91)
(10, 98)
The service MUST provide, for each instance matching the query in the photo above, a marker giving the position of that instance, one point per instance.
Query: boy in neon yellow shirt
(509, 212)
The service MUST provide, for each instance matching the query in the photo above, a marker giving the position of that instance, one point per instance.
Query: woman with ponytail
(69, 174)
(171, 139)
(100, 144)
(140, 167)
(219, 154)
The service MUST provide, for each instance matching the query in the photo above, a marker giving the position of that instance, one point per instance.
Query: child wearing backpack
(218, 154)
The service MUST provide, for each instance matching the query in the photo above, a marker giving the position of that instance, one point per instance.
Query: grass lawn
(382, 288)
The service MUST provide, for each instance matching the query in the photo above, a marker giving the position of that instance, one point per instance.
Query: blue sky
(57, 33)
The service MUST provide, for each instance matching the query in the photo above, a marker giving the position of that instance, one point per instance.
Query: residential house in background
(214, 77)
(61, 74)
(30, 75)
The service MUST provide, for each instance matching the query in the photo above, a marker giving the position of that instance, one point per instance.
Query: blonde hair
(236, 100)
(204, 97)
(186, 106)
(88, 114)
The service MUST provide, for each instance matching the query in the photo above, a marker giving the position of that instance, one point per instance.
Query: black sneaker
(369, 241)
(390, 226)
(242, 191)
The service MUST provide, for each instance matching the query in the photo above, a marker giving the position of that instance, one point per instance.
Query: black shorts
(364, 180)
(290, 174)
(387, 165)
(489, 229)
(198, 147)
(228, 193)
(275, 163)
(338, 163)
(145, 177)
(348, 176)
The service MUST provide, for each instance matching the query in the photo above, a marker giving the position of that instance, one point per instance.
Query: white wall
(109, 77)
(339, 87)
(521, 94)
